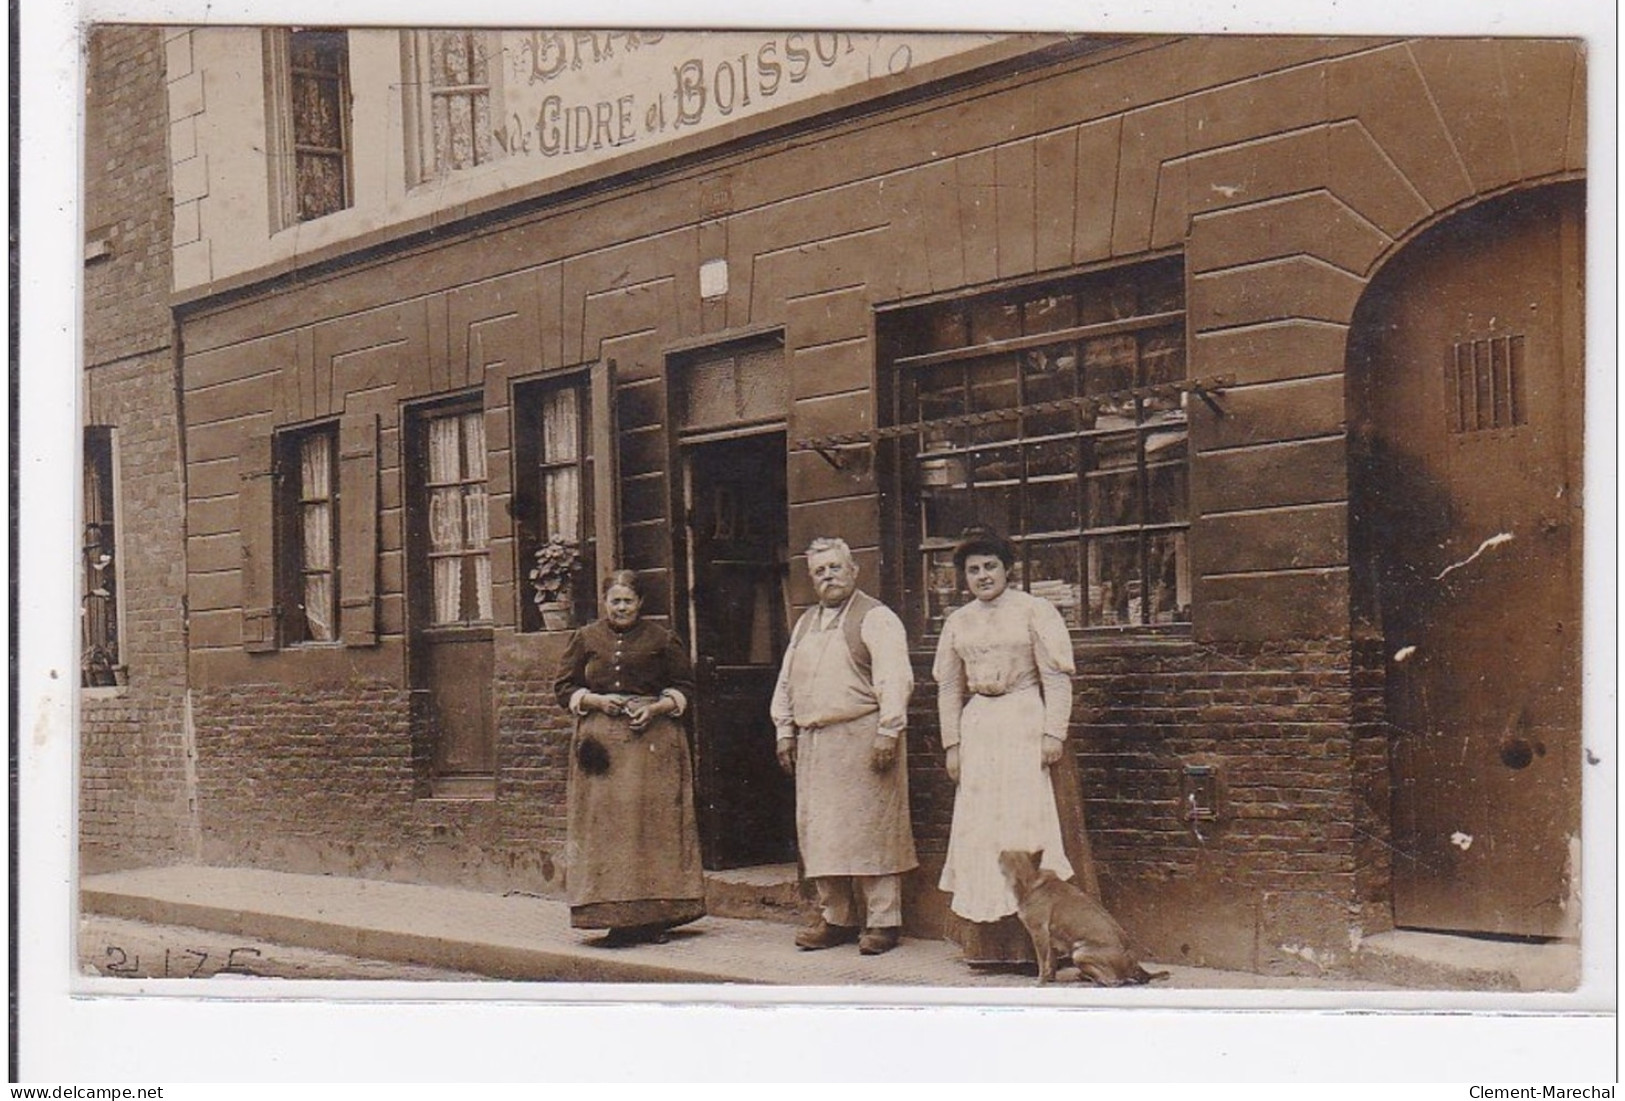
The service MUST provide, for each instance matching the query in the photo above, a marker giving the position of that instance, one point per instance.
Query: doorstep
(762, 892)
(1444, 961)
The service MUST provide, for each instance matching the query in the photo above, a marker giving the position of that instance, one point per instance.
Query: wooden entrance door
(737, 529)
(1471, 381)
(450, 563)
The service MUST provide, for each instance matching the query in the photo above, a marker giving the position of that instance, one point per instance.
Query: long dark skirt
(993, 943)
(634, 850)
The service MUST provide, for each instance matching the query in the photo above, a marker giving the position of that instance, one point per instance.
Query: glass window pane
(448, 590)
(481, 103)
(945, 328)
(1163, 288)
(990, 321)
(1162, 356)
(994, 387)
(460, 132)
(320, 184)
(997, 507)
(324, 51)
(449, 51)
(996, 465)
(1049, 312)
(946, 513)
(1114, 581)
(938, 393)
(1052, 459)
(482, 588)
(1108, 368)
(318, 607)
(1050, 374)
(1052, 507)
(440, 108)
(474, 446)
(444, 443)
(1109, 298)
(318, 542)
(476, 516)
(316, 112)
(1054, 574)
(446, 520)
(1167, 477)
(561, 494)
(315, 467)
(1112, 488)
(943, 593)
(1170, 573)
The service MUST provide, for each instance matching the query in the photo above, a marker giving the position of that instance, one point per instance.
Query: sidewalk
(528, 938)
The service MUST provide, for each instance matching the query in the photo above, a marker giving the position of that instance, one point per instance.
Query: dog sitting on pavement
(1063, 921)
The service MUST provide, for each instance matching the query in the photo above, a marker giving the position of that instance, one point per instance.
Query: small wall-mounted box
(1200, 792)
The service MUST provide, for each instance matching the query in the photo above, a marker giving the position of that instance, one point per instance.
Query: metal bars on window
(99, 664)
(1484, 383)
(1056, 416)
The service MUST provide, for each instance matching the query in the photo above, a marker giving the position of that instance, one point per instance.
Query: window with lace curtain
(308, 485)
(553, 460)
(308, 123)
(451, 100)
(456, 496)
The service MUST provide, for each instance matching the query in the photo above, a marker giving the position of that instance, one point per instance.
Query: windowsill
(482, 632)
(332, 644)
(1133, 639)
(103, 691)
(463, 789)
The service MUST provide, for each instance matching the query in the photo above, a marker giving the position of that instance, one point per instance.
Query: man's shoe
(878, 941)
(825, 935)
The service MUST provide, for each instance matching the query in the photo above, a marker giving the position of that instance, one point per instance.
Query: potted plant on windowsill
(558, 560)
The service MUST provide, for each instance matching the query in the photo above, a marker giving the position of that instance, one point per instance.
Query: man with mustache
(840, 708)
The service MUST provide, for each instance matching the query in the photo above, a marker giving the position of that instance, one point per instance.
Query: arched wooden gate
(1466, 374)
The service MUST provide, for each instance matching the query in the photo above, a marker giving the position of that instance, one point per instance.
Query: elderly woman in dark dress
(634, 851)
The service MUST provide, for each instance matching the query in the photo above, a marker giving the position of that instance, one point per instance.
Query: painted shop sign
(575, 96)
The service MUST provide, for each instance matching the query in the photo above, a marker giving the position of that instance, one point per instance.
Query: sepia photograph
(1063, 518)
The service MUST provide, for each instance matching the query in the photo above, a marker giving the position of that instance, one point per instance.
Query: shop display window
(1052, 416)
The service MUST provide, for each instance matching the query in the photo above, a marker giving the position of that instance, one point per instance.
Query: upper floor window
(309, 526)
(553, 457)
(100, 663)
(451, 91)
(1054, 415)
(308, 95)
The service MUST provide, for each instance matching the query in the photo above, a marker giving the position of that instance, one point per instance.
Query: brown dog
(1065, 922)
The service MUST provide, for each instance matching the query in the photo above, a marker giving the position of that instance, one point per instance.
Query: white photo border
(363, 1031)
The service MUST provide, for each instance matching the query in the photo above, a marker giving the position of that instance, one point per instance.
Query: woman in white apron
(1004, 695)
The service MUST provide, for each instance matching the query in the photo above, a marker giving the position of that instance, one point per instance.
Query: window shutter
(358, 529)
(605, 523)
(255, 496)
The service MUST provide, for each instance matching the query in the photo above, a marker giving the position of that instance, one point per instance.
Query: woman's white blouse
(1014, 642)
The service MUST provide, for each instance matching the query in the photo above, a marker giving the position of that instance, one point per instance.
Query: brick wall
(126, 194)
(334, 778)
(1272, 884)
(135, 799)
